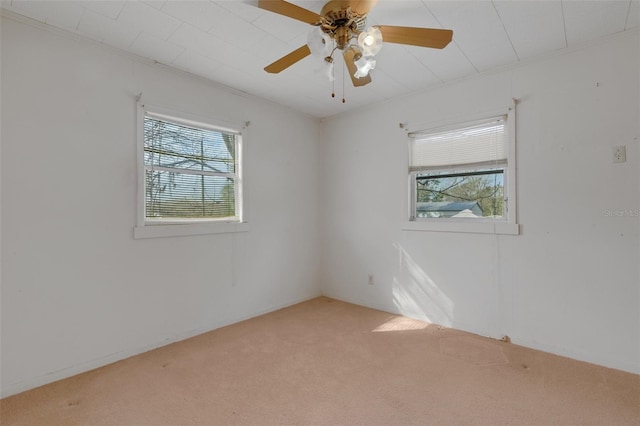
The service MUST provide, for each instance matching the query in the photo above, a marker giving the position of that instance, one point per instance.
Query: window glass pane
(470, 194)
(180, 195)
(176, 146)
(190, 171)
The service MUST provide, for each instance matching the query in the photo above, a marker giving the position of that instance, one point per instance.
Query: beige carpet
(328, 362)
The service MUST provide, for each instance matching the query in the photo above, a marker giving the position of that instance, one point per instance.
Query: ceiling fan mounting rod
(342, 37)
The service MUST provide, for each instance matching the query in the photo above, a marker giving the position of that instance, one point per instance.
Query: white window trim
(173, 228)
(505, 226)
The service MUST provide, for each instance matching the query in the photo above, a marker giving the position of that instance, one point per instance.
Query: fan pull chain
(333, 82)
(343, 100)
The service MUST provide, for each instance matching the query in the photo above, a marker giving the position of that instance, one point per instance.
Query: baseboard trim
(54, 376)
(565, 352)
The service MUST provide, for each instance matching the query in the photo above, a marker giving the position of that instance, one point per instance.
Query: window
(464, 174)
(190, 173)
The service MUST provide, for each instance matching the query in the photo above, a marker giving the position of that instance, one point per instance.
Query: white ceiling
(231, 41)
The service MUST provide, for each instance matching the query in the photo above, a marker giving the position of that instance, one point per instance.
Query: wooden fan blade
(349, 55)
(288, 60)
(291, 10)
(362, 6)
(424, 37)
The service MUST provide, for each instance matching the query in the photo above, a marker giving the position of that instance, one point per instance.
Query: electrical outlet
(370, 279)
(619, 154)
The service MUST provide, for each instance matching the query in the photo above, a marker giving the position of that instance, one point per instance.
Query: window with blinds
(190, 171)
(460, 172)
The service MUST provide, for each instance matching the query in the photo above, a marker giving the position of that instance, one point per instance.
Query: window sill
(496, 228)
(181, 230)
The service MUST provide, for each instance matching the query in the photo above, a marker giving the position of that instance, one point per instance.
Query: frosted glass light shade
(319, 43)
(370, 41)
(325, 70)
(364, 66)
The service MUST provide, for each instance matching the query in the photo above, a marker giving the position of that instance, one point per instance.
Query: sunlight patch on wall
(416, 295)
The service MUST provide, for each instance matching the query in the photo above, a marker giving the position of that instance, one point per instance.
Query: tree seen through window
(189, 172)
(482, 193)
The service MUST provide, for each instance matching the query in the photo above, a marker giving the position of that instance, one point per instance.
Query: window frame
(146, 228)
(505, 225)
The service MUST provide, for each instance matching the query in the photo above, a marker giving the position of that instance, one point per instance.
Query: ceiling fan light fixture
(364, 65)
(370, 41)
(319, 43)
(326, 69)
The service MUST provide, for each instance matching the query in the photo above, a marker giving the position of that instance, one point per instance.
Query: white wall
(77, 290)
(569, 284)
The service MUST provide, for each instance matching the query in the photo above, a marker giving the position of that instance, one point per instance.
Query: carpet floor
(326, 362)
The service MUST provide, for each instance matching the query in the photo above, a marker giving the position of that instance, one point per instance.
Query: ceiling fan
(337, 26)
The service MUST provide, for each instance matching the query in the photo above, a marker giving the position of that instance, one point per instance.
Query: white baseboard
(66, 372)
(515, 339)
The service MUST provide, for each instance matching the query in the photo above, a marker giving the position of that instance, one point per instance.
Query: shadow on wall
(416, 295)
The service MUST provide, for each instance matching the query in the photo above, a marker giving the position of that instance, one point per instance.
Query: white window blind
(190, 171)
(480, 143)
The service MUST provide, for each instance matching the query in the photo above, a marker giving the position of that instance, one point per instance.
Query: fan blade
(349, 56)
(362, 6)
(288, 60)
(423, 37)
(291, 10)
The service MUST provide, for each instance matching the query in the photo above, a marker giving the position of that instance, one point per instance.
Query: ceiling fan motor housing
(342, 23)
